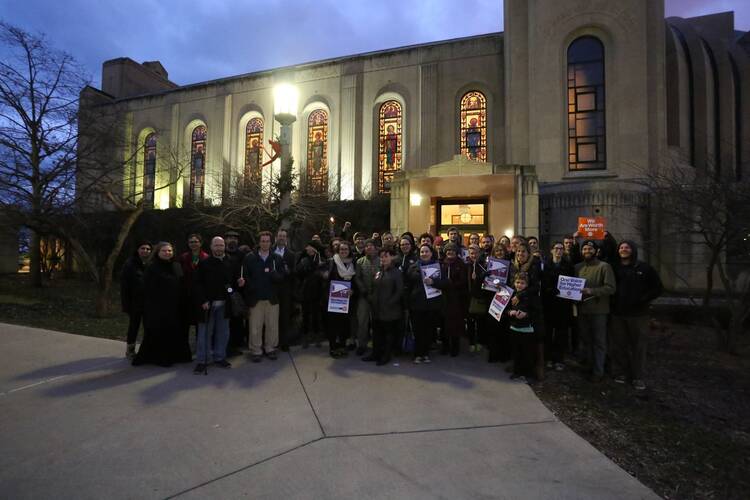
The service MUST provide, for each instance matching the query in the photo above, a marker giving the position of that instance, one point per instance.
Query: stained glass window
(198, 164)
(253, 152)
(474, 126)
(317, 152)
(389, 134)
(586, 126)
(149, 170)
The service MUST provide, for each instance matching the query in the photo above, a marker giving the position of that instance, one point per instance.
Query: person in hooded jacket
(637, 285)
(132, 292)
(163, 342)
(309, 270)
(425, 311)
(456, 299)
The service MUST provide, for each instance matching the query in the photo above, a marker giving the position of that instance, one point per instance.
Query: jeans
(593, 340)
(216, 332)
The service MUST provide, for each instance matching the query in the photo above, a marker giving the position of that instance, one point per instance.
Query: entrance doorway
(468, 215)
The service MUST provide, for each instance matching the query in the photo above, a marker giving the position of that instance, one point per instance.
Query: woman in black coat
(558, 313)
(131, 293)
(425, 311)
(163, 342)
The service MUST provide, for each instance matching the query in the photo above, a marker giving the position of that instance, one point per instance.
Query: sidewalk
(76, 421)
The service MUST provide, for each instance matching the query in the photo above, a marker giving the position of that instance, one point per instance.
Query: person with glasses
(558, 312)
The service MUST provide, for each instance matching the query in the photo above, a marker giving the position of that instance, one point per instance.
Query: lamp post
(285, 108)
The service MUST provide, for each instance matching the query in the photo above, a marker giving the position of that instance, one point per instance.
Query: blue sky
(199, 41)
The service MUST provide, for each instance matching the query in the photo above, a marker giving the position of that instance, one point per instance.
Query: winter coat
(389, 288)
(418, 300)
(601, 280)
(534, 271)
(364, 281)
(263, 278)
(637, 285)
(212, 280)
(310, 283)
(132, 285)
(558, 313)
(529, 303)
(456, 295)
(188, 271)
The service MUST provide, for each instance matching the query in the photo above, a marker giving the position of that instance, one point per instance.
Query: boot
(130, 351)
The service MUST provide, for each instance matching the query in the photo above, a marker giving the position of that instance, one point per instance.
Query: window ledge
(592, 174)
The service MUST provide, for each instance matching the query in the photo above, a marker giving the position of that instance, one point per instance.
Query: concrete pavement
(77, 421)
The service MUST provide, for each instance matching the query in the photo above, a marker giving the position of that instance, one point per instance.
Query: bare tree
(709, 213)
(39, 91)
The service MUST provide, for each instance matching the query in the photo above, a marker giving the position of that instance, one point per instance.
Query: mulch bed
(687, 435)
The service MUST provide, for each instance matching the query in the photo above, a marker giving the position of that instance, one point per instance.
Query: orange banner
(591, 227)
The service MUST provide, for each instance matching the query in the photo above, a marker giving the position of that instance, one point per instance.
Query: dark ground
(686, 436)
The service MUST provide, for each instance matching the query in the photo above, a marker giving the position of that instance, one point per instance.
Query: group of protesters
(240, 298)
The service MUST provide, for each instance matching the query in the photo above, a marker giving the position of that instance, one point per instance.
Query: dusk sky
(200, 41)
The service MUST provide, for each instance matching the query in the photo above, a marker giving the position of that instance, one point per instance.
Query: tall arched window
(149, 170)
(317, 152)
(198, 164)
(474, 125)
(389, 139)
(253, 152)
(586, 126)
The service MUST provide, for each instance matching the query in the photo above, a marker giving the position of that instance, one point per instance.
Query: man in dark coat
(637, 285)
(214, 280)
(238, 328)
(131, 293)
(286, 289)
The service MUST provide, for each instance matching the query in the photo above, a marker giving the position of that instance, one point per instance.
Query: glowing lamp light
(285, 97)
(509, 232)
(415, 199)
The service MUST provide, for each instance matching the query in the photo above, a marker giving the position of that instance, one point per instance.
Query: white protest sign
(500, 301)
(570, 288)
(430, 271)
(497, 274)
(338, 296)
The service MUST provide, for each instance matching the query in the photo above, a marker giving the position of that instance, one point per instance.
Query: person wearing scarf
(341, 268)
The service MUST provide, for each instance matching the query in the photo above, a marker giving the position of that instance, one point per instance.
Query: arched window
(474, 126)
(253, 152)
(389, 152)
(317, 152)
(586, 126)
(198, 164)
(149, 170)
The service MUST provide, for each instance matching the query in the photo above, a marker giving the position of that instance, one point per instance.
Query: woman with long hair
(341, 267)
(425, 310)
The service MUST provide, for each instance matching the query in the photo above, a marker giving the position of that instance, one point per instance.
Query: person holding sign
(479, 300)
(341, 268)
(387, 307)
(524, 313)
(593, 311)
(558, 312)
(425, 300)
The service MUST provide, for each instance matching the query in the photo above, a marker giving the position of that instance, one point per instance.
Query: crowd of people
(239, 298)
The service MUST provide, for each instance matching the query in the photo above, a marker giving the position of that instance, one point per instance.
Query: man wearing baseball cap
(593, 310)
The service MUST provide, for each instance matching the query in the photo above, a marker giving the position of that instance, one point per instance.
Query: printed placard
(570, 288)
(497, 274)
(430, 271)
(338, 296)
(500, 301)
(591, 227)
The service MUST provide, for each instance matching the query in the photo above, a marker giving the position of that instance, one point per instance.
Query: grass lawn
(64, 304)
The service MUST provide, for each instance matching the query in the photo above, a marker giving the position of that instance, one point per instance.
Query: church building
(515, 132)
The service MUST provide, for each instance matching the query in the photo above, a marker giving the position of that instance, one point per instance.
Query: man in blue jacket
(637, 285)
(264, 275)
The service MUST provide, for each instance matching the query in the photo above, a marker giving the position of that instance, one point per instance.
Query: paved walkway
(76, 421)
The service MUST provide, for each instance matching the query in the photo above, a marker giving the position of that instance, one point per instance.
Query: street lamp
(285, 98)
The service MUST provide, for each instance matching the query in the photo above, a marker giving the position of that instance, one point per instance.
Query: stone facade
(672, 88)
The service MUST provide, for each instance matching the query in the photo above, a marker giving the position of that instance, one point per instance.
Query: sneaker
(256, 358)
(199, 368)
(418, 360)
(639, 385)
(559, 367)
(273, 355)
(223, 363)
(621, 379)
(426, 360)
(130, 351)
